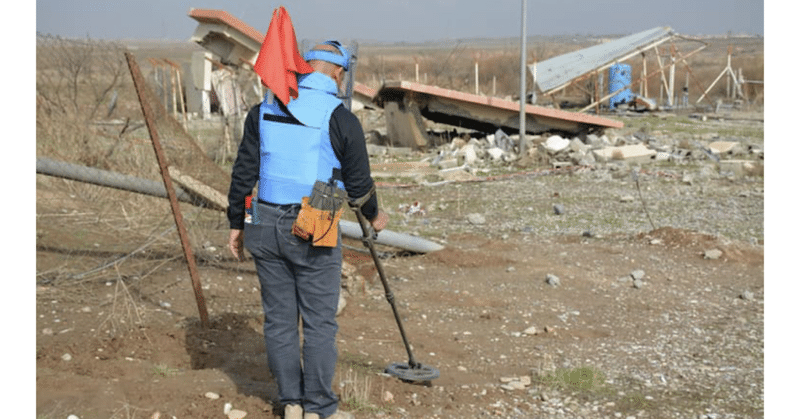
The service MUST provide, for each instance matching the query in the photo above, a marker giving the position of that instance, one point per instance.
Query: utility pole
(522, 79)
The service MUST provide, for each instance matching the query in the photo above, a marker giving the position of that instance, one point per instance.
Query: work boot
(337, 415)
(293, 411)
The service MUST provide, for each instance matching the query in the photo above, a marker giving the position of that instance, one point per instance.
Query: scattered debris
(552, 280)
(712, 254)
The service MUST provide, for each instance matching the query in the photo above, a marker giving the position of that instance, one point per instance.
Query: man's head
(329, 58)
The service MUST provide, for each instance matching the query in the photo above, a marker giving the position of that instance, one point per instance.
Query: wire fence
(101, 212)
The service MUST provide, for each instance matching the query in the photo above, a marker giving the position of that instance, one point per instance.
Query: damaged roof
(556, 72)
(485, 113)
(226, 36)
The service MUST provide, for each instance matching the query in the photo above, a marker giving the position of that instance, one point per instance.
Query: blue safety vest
(295, 146)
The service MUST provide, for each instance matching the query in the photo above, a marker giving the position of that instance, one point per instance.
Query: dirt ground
(687, 341)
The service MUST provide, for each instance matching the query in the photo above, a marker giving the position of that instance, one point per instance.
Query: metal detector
(411, 371)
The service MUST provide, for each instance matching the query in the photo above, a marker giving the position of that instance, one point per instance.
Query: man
(286, 148)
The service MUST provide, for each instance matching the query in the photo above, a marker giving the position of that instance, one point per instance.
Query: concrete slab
(402, 169)
(635, 153)
(481, 113)
(721, 147)
(739, 167)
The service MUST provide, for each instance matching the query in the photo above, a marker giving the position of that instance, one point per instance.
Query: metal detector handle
(367, 239)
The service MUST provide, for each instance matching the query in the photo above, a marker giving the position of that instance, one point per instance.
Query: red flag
(279, 60)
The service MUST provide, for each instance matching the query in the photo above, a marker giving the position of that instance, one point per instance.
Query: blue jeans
(298, 281)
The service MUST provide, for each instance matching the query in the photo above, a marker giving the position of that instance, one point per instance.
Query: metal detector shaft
(369, 236)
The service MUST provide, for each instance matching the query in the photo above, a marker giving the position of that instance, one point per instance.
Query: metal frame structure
(558, 73)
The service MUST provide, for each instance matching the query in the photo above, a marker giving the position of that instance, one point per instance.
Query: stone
(342, 304)
(495, 153)
(558, 209)
(470, 154)
(555, 144)
(476, 219)
(637, 274)
(211, 395)
(721, 147)
(712, 254)
(552, 280)
(236, 414)
(530, 331)
(634, 153)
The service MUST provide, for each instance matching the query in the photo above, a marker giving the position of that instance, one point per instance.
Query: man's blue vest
(296, 147)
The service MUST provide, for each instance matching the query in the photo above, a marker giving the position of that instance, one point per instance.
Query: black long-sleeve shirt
(349, 145)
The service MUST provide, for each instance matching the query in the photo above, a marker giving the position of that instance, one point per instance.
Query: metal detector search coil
(405, 372)
(412, 371)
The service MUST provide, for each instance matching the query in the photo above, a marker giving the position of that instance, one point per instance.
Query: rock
(558, 209)
(552, 280)
(72, 417)
(236, 414)
(211, 395)
(530, 331)
(388, 397)
(637, 274)
(638, 283)
(626, 198)
(712, 254)
(66, 357)
(555, 144)
(342, 304)
(747, 296)
(476, 219)
(470, 154)
(495, 153)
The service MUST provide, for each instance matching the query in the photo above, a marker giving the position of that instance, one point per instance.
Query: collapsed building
(410, 109)
(229, 41)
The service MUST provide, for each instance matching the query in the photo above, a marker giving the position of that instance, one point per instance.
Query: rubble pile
(469, 157)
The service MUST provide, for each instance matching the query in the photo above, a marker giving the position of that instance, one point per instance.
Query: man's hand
(380, 221)
(236, 244)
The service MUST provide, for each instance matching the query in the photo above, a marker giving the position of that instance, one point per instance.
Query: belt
(284, 207)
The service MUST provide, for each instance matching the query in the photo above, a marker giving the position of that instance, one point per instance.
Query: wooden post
(182, 105)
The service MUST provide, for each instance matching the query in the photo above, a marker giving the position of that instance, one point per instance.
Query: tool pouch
(318, 219)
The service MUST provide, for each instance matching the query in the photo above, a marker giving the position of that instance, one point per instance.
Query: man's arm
(243, 179)
(245, 170)
(350, 147)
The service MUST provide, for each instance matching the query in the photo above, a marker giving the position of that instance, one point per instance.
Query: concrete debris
(712, 254)
(465, 155)
(552, 280)
(414, 208)
(555, 144)
(476, 219)
(635, 153)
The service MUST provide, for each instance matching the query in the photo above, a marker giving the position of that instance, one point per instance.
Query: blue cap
(322, 55)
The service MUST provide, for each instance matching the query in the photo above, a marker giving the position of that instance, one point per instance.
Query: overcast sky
(403, 20)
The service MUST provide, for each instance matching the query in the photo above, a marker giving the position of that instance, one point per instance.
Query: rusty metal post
(138, 82)
(523, 73)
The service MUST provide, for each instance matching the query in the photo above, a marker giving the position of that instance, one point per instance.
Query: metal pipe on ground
(135, 184)
(109, 179)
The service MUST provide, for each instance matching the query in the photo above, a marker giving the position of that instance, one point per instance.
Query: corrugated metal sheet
(557, 71)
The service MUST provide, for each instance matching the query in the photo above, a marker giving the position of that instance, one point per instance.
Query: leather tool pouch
(318, 219)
